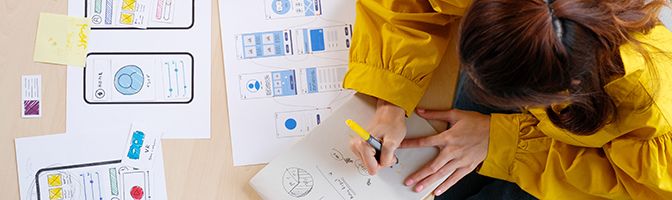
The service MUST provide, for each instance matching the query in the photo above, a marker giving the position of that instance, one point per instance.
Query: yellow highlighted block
(128, 5)
(55, 194)
(126, 18)
(54, 180)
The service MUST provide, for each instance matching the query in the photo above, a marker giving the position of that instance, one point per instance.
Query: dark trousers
(475, 186)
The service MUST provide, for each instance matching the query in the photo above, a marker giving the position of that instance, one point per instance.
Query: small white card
(141, 146)
(31, 96)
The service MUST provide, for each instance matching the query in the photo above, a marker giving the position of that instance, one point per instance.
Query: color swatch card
(62, 39)
(31, 96)
(141, 147)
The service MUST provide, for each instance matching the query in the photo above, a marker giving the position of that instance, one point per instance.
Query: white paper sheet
(666, 17)
(321, 166)
(85, 166)
(158, 76)
(284, 63)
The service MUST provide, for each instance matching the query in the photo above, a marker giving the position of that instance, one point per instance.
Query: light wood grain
(195, 169)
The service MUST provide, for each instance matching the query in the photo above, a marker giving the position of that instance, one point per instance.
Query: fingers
(369, 160)
(433, 167)
(366, 153)
(429, 141)
(444, 171)
(451, 116)
(452, 179)
(387, 158)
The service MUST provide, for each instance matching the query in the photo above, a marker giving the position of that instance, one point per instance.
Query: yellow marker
(358, 129)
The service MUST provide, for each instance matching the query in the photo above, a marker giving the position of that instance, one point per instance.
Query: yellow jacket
(397, 44)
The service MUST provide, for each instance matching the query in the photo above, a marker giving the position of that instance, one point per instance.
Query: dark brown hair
(521, 53)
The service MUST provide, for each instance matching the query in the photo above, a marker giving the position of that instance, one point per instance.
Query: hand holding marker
(374, 142)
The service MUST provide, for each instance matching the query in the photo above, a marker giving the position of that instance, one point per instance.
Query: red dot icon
(137, 192)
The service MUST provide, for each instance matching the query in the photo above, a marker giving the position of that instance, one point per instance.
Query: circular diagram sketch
(96, 19)
(281, 7)
(253, 86)
(361, 168)
(137, 193)
(297, 182)
(129, 80)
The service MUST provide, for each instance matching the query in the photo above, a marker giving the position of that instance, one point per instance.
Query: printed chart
(138, 78)
(284, 67)
(149, 62)
(100, 180)
(294, 42)
(150, 14)
(87, 167)
(278, 9)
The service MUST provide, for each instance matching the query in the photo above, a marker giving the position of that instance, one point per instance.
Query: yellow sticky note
(62, 39)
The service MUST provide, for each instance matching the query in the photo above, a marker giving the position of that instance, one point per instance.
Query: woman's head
(521, 53)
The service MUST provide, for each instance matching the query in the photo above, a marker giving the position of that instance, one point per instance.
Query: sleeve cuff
(384, 85)
(502, 146)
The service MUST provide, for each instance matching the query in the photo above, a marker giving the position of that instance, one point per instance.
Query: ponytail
(523, 53)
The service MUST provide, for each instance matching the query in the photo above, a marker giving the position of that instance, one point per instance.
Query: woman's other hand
(461, 148)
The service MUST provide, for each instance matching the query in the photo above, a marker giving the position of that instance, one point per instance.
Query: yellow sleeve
(625, 168)
(397, 44)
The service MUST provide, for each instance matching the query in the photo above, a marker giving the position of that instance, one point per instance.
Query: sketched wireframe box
(139, 78)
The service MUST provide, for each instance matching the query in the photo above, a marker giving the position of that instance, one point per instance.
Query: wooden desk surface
(195, 169)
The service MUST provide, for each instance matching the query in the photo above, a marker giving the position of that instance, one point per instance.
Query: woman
(586, 84)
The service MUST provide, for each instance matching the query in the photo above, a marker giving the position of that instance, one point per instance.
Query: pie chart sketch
(129, 80)
(297, 182)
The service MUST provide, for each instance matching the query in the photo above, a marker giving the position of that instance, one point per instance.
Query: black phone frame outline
(141, 53)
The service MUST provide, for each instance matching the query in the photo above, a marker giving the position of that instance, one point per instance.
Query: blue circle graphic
(290, 124)
(253, 85)
(281, 7)
(129, 80)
